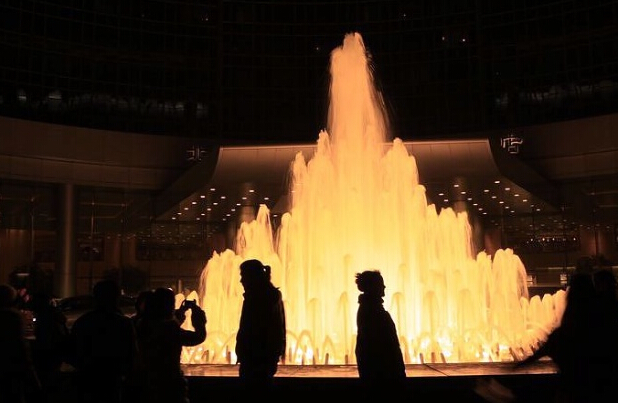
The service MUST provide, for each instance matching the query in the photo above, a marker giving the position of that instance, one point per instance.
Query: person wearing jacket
(261, 337)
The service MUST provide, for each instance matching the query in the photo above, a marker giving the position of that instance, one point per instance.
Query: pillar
(230, 235)
(247, 209)
(65, 274)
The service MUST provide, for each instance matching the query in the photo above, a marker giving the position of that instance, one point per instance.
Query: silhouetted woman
(378, 352)
(261, 338)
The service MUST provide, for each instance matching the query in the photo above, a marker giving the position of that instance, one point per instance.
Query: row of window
(259, 70)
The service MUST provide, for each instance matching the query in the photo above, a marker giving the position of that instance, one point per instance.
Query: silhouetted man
(160, 341)
(103, 347)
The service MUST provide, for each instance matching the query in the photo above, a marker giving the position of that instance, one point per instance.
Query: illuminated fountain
(357, 204)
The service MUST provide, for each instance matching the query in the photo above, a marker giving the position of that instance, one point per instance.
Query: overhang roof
(474, 165)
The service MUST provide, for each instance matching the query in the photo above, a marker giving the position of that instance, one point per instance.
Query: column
(247, 209)
(65, 271)
(230, 235)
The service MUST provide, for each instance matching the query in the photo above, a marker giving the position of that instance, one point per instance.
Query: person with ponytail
(261, 337)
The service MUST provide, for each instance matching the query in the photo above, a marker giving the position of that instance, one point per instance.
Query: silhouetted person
(140, 305)
(261, 337)
(51, 334)
(378, 352)
(573, 345)
(605, 284)
(103, 346)
(133, 383)
(160, 341)
(17, 375)
(606, 370)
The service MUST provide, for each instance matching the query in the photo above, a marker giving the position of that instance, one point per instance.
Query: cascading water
(357, 204)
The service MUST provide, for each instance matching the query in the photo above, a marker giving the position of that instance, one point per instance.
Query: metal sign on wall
(511, 143)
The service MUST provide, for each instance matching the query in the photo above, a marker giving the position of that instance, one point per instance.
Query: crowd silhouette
(50, 344)
(18, 379)
(113, 358)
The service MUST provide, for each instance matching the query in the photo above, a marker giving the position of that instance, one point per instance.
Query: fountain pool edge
(542, 367)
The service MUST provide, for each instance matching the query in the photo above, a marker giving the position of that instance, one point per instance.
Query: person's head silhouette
(106, 294)
(254, 274)
(161, 304)
(370, 282)
(605, 283)
(581, 287)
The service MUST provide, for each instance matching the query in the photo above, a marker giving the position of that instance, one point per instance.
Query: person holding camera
(160, 340)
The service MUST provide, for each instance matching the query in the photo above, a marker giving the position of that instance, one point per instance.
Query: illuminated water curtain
(356, 205)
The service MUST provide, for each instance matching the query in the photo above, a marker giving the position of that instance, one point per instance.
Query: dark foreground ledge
(425, 383)
(460, 383)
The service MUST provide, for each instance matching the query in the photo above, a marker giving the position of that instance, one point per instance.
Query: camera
(189, 304)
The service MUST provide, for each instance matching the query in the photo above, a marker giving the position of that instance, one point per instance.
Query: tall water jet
(357, 204)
